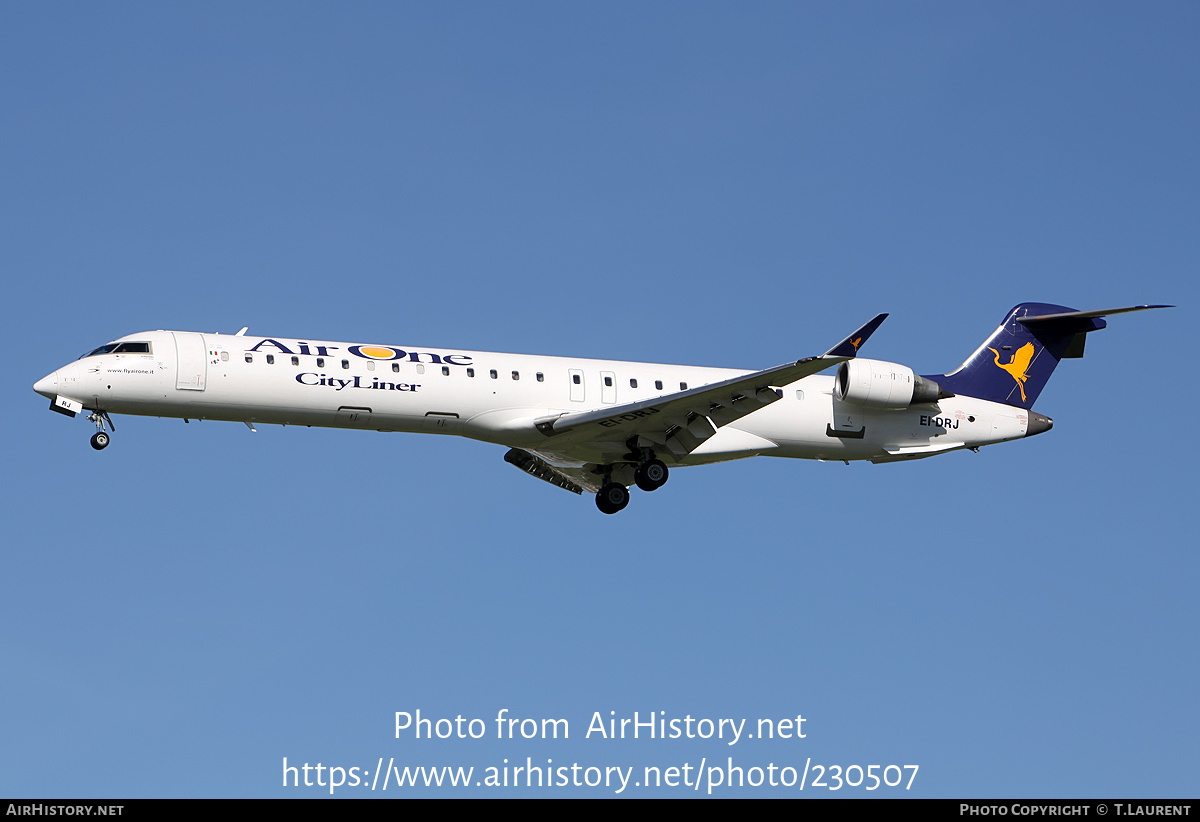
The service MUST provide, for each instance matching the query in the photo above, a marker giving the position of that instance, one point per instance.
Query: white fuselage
(494, 397)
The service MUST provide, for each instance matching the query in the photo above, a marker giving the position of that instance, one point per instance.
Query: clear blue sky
(732, 185)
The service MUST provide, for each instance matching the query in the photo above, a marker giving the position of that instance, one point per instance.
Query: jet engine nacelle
(878, 384)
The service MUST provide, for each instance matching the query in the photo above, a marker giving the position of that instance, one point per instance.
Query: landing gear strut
(100, 438)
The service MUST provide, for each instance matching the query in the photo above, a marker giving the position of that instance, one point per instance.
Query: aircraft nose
(47, 386)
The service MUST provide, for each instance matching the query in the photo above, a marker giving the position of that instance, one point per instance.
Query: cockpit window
(120, 348)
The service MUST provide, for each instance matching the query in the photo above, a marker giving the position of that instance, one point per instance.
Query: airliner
(599, 426)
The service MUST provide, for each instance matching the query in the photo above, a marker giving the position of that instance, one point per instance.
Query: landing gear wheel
(651, 475)
(99, 440)
(612, 498)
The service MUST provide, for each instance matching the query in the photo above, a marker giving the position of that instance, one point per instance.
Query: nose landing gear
(100, 438)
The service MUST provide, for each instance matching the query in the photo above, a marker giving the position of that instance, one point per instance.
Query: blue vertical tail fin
(1015, 363)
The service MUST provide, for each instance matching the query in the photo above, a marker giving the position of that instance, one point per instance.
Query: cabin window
(445, 371)
(270, 359)
(370, 365)
(658, 384)
(493, 373)
(420, 368)
(396, 367)
(541, 377)
(633, 383)
(470, 372)
(320, 362)
(516, 375)
(799, 394)
(249, 358)
(345, 363)
(608, 381)
(683, 386)
(295, 360)
(575, 378)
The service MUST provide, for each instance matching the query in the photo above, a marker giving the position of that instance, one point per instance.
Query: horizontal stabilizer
(1085, 315)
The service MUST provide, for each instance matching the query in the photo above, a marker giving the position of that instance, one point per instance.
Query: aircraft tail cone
(1038, 424)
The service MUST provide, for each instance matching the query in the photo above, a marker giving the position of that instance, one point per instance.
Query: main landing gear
(100, 438)
(612, 497)
(650, 475)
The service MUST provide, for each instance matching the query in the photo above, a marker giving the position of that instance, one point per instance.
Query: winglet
(849, 346)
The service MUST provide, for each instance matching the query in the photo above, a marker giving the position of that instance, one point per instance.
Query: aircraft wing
(679, 422)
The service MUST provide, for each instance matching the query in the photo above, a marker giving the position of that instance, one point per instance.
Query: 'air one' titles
(368, 352)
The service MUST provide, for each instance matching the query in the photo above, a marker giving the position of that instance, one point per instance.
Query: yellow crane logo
(1018, 366)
